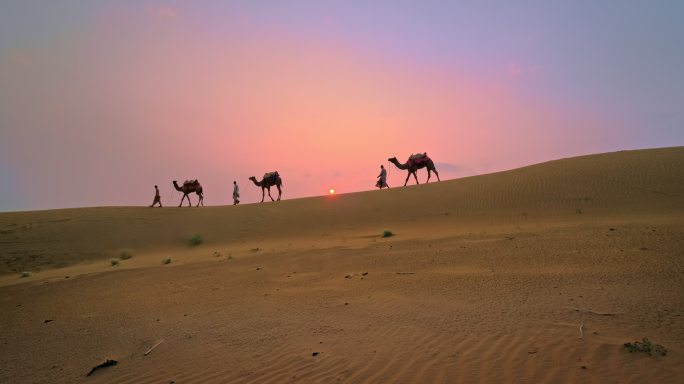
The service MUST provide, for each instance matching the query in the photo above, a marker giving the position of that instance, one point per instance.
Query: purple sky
(101, 100)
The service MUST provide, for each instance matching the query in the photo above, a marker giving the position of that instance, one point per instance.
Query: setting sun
(332, 191)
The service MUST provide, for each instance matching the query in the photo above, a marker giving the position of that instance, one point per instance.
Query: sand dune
(487, 279)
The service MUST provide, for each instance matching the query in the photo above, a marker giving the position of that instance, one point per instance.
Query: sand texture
(534, 275)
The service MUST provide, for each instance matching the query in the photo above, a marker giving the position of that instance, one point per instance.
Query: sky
(101, 100)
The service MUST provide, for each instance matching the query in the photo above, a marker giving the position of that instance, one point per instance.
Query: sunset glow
(332, 191)
(110, 94)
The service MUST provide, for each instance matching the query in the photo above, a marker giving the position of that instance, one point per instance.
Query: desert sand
(537, 275)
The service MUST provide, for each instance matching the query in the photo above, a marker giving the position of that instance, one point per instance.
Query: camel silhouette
(414, 163)
(269, 180)
(190, 186)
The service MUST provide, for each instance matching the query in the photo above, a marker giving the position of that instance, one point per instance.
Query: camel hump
(418, 159)
(191, 182)
(270, 175)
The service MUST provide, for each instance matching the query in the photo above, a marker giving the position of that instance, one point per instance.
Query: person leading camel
(236, 193)
(382, 182)
(157, 198)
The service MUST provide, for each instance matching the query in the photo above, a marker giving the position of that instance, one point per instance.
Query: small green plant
(387, 233)
(114, 262)
(646, 346)
(25, 274)
(196, 240)
(257, 249)
(167, 261)
(125, 254)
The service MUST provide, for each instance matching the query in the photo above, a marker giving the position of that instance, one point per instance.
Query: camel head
(252, 178)
(392, 159)
(175, 185)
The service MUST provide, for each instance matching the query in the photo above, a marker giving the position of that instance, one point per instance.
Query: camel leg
(407, 177)
(428, 180)
(189, 202)
(269, 194)
(181, 203)
(415, 175)
(263, 194)
(437, 174)
(280, 192)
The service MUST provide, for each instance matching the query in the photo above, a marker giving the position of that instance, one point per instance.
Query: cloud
(161, 11)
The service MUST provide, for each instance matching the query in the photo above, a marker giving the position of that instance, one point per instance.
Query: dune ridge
(487, 279)
(628, 182)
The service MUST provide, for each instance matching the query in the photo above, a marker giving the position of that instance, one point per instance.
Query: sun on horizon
(331, 191)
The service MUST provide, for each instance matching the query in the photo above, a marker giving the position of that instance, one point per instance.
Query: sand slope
(488, 278)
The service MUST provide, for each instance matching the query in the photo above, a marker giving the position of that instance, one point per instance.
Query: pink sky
(143, 95)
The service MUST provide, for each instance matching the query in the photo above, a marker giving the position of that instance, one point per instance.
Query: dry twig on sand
(581, 334)
(153, 347)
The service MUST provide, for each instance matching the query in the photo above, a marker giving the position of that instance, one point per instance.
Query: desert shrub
(125, 254)
(196, 240)
(646, 346)
(114, 262)
(387, 233)
(166, 260)
(25, 274)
